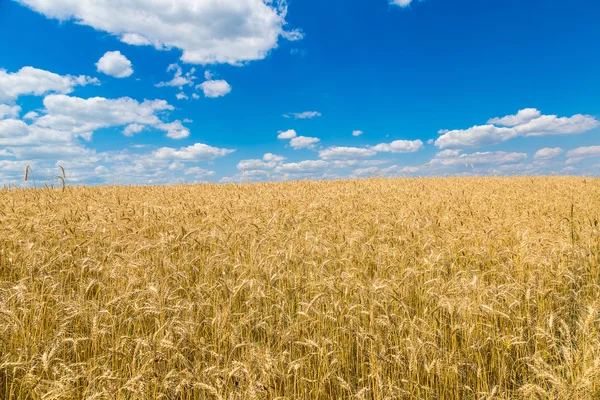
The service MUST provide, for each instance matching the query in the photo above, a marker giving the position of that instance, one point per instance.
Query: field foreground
(449, 288)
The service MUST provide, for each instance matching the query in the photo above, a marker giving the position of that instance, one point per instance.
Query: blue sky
(245, 90)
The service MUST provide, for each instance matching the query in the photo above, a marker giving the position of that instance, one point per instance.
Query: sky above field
(140, 92)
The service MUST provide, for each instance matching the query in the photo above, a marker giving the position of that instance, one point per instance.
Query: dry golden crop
(441, 288)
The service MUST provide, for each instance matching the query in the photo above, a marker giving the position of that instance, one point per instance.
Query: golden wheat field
(439, 288)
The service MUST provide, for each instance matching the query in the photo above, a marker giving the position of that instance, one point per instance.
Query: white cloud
(584, 152)
(269, 161)
(135, 40)
(115, 64)
(476, 136)
(7, 111)
(251, 164)
(215, 88)
(527, 122)
(495, 157)
(225, 31)
(399, 146)
(303, 142)
(397, 170)
(401, 3)
(181, 96)
(303, 115)
(33, 81)
(356, 163)
(289, 134)
(357, 133)
(198, 172)
(196, 152)
(345, 153)
(175, 130)
(179, 79)
(101, 170)
(553, 125)
(392, 170)
(84, 116)
(366, 171)
(195, 96)
(132, 129)
(548, 153)
(306, 166)
(31, 115)
(270, 157)
(448, 153)
(523, 116)
(176, 166)
(16, 133)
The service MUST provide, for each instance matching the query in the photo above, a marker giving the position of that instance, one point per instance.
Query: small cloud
(215, 88)
(289, 134)
(399, 146)
(357, 133)
(303, 115)
(114, 64)
(303, 142)
(132, 129)
(548, 153)
(31, 115)
(179, 79)
(401, 3)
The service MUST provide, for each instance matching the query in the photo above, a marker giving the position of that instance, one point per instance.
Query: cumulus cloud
(84, 116)
(553, 125)
(270, 157)
(196, 152)
(479, 158)
(16, 133)
(584, 152)
(548, 153)
(33, 81)
(179, 78)
(115, 64)
(366, 171)
(399, 146)
(521, 117)
(175, 130)
(269, 161)
(31, 115)
(476, 136)
(7, 111)
(303, 142)
(198, 172)
(215, 88)
(357, 133)
(303, 115)
(527, 122)
(346, 153)
(208, 32)
(132, 129)
(289, 134)
(307, 166)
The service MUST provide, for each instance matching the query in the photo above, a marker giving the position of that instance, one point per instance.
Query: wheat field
(438, 288)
